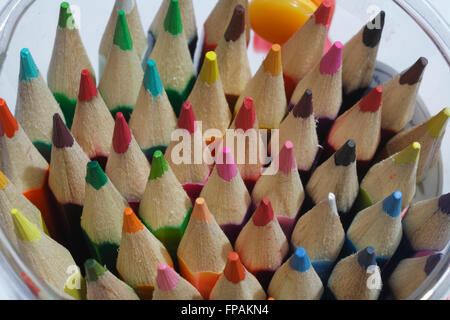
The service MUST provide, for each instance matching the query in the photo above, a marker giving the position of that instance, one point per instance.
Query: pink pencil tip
(263, 214)
(122, 134)
(372, 102)
(322, 14)
(226, 167)
(286, 158)
(167, 278)
(246, 116)
(332, 60)
(187, 118)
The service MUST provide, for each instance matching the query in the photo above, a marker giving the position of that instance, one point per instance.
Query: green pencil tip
(173, 23)
(93, 270)
(122, 35)
(65, 16)
(28, 69)
(159, 165)
(95, 175)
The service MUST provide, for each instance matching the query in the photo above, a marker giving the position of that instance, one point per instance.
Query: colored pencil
(93, 124)
(103, 285)
(427, 224)
(208, 99)
(140, 253)
(66, 182)
(11, 198)
(267, 90)
(232, 58)
(131, 11)
(399, 98)
(262, 233)
(299, 127)
(378, 226)
(28, 173)
(171, 54)
(319, 231)
(429, 134)
(187, 17)
(122, 76)
(127, 166)
(190, 171)
(304, 49)
(326, 76)
(153, 118)
(411, 273)
(296, 279)
(171, 286)
(236, 283)
(362, 124)
(281, 184)
(69, 58)
(165, 207)
(356, 277)
(35, 102)
(203, 250)
(234, 207)
(359, 58)
(50, 260)
(336, 175)
(102, 217)
(398, 172)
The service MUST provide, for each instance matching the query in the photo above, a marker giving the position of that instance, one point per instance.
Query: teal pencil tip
(300, 261)
(95, 175)
(122, 35)
(28, 69)
(93, 270)
(173, 23)
(152, 81)
(392, 205)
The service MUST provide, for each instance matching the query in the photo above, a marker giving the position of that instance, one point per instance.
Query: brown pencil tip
(62, 138)
(264, 213)
(237, 24)
(234, 270)
(304, 107)
(414, 73)
(201, 212)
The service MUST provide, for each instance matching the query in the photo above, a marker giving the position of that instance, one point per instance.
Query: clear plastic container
(413, 28)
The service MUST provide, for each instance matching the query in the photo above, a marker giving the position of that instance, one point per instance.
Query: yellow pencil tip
(408, 155)
(272, 63)
(3, 181)
(25, 230)
(210, 70)
(436, 125)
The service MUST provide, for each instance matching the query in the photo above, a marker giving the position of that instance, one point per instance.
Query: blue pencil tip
(152, 81)
(28, 69)
(300, 261)
(392, 205)
(366, 257)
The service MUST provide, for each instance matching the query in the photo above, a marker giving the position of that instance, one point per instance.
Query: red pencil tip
(9, 124)
(246, 116)
(234, 270)
(87, 87)
(187, 118)
(322, 14)
(122, 134)
(286, 158)
(263, 214)
(332, 60)
(372, 102)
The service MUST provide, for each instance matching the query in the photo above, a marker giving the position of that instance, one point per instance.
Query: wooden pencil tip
(122, 35)
(186, 119)
(432, 261)
(88, 90)
(8, 124)
(226, 167)
(121, 135)
(131, 223)
(300, 261)
(201, 212)
(392, 204)
(332, 61)
(444, 203)
(236, 27)
(167, 278)
(28, 69)
(332, 203)
(210, 71)
(304, 107)
(152, 80)
(346, 155)
(3, 181)
(93, 270)
(414, 73)
(25, 230)
(263, 214)
(62, 138)
(95, 176)
(272, 63)
(159, 166)
(246, 116)
(372, 101)
(436, 125)
(366, 257)
(373, 30)
(322, 14)
(408, 155)
(65, 16)
(286, 158)
(173, 23)
(234, 269)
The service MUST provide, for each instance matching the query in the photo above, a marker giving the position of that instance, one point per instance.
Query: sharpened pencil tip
(226, 167)
(332, 203)
(414, 73)
(264, 213)
(373, 30)
(3, 181)
(25, 230)
(272, 63)
(346, 155)
(332, 60)
(444, 203)
(186, 120)
(408, 155)
(88, 90)
(166, 278)
(201, 212)
(159, 165)
(95, 176)
(121, 135)
(234, 269)
(322, 14)
(304, 107)
(300, 261)
(236, 27)
(152, 80)
(131, 223)
(392, 204)
(65, 16)
(210, 70)
(62, 138)
(8, 124)
(366, 257)
(28, 69)
(122, 35)
(286, 158)
(436, 125)
(372, 101)
(246, 116)
(173, 23)
(93, 270)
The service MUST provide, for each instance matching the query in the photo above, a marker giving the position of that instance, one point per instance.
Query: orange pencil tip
(131, 223)
(272, 63)
(201, 212)
(9, 124)
(234, 270)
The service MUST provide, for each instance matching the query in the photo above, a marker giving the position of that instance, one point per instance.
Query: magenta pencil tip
(332, 60)
(286, 158)
(226, 167)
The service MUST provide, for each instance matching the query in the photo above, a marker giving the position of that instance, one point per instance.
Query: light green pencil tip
(173, 23)
(408, 155)
(65, 16)
(122, 35)
(25, 230)
(93, 270)
(159, 165)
